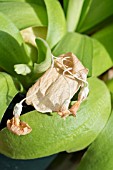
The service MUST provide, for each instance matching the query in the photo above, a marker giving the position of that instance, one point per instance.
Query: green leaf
(24, 14)
(7, 92)
(44, 56)
(32, 52)
(7, 26)
(56, 22)
(88, 50)
(109, 84)
(105, 36)
(40, 2)
(11, 53)
(101, 59)
(80, 45)
(73, 14)
(52, 134)
(65, 5)
(94, 13)
(100, 153)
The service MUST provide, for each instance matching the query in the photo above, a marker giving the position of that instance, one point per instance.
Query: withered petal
(21, 129)
(53, 91)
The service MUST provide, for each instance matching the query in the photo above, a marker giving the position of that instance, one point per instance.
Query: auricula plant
(58, 54)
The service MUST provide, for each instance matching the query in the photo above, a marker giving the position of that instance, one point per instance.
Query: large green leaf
(52, 134)
(100, 153)
(7, 26)
(101, 59)
(56, 22)
(80, 45)
(94, 13)
(92, 53)
(105, 36)
(44, 56)
(11, 53)
(73, 14)
(7, 91)
(40, 2)
(24, 14)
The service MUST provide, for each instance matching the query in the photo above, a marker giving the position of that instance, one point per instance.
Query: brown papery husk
(54, 92)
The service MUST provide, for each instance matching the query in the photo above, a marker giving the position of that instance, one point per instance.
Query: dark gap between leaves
(9, 111)
(66, 160)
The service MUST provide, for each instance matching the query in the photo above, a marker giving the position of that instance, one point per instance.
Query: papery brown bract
(54, 90)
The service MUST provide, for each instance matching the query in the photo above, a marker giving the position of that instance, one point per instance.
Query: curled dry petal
(18, 127)
(54, 90)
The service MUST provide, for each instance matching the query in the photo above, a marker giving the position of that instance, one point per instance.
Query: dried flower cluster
(54, 90)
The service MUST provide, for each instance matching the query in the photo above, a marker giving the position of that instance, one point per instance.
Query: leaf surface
(73, 14)
(24, 14)
(44, 56)
(105, 36)
(93, 14)
(109, 84)
(101, 59)
(78, 44)
(40, 2)
(65, 5)
(100, 153)
(7, 92)
(90, 51)
(11, 53)
(7, 26)
(52, 134)
(56, 22)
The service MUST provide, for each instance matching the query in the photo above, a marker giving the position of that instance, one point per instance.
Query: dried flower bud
(51, 93)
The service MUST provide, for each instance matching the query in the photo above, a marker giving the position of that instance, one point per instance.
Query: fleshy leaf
(105, 36)
(93, 14)
(40, 2)
(24, 14)
(109, 84)
(80, 45)
(52, 134)
(90, 51)
(73, 14)
(7, 92)
(56, 22)
(7, 26)
(11, 53)
(22, 69)
(44, 56)
(100, 153)
(101, 59)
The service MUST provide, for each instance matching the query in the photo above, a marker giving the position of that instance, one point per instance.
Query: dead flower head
(54, 90)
